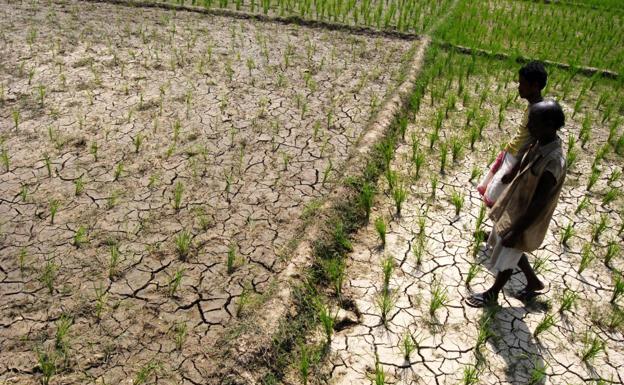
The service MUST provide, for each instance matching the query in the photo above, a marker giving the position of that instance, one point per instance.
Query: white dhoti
(503, 258)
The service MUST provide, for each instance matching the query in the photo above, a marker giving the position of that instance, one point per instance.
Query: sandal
(526, 295)
(479, 300)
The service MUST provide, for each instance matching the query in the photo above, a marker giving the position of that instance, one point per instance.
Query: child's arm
(512, 173)
(539, 201)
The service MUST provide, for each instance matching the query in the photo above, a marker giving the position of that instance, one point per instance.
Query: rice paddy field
(284, 192)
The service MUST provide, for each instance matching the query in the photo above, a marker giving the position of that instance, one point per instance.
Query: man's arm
(538, 203)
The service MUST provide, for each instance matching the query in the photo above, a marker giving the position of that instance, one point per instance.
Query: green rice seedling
(79, 186)
(47, 365)
(175, 282)
(177, 195)
(613, 251)
(399, 194)
(137, 140)
(231, 258)
(616, 318)
(610, 196)
(42, 93)
(101, 297)
(119, 168)
(583, 204)
(587, 256)
(113, 261)
(592, 346)
(145, 372)
(568, 300)
(480, 218)
(457, 148)
(22, 259)
(471, 375)
(387, 267)
(419, 250)
(434, 187)
(80, 237)
(4, 158)
(476, 242)
(380, 375)
(584, 132)
(443, 156)
(23, 192)
(61, 342)
(618, 287)
(112, 199)
(474, 269)
(304, 362)
(16, 118)
(619, 146)
(385, 301)
(180, 332)
(183, 242)
(380, 226)
(48, 275)
(418, 158)
(593, 178)
(48, 164)
(538, 373)
(601, 154)
(599, 228)
(334, 270)
(457, 199)
(434, 135)
(475, 173)
(402, 126)
(408, 345)
(327, 172)
(566, 234)
(367, 194)
(540, 264)
(93, 149)
(341, 238)
(571, 152)
(544, 325)
(439, 298)
(327, 321)
(485, 331)
(473, 136)
(614, 177)
(54, 206)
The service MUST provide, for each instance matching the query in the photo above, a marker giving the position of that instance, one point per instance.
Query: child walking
(522, 213)
(531, 80)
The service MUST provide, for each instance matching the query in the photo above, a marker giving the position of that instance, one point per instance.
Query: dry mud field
(156, 167)
(159, 167)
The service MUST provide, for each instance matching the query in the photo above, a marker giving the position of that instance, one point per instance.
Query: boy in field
(523, 211)
(531, 80)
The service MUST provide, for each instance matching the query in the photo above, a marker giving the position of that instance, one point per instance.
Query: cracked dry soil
(448, 341)
(124, 129)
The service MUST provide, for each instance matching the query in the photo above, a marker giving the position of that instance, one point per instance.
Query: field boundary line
(246, 352)
(576, 4)
(297, 20)
(523, 59)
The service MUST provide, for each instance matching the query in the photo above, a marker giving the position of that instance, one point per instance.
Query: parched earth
(142, 149)
(456, 343)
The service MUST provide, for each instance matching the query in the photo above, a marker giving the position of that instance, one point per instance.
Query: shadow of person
(515, 344)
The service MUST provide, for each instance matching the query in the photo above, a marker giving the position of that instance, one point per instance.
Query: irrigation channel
(284, 192)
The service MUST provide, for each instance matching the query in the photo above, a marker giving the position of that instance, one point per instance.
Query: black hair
(534, 71)
(549, 112)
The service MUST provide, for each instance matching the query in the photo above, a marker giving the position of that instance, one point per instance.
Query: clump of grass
(180, 332)
(593, 346)
(387, 267)
(80, 237)
(54, 206)
(399, 194)
(145, 372)
(305, 361)
(381, 227)
(544, 325)
(474, 269)
(614, 177)
(600, 227)
(419, 249)
(457, 148)
(48, 164)
(418, 157)
(485, 332)
(16, 118)
(593, 178)
(175, 282)
(475, 173)
(616, 318)
(93, 149)
(458, 201)
(366, 198)
(183, 243)
(101, 296)
(79, 186)
(47, 364)
(434, 187)
(613, 250)
(177, 195)
(113, 262)
(137, 141)
(327, 321)
(471, 375)
(610, 196)
(48, 275)
(587, 256)
(571, 152)
(231, 258)
(443, 157)
(568, 300)
(119, 168)
(566, 234)
(538, 373)
(334, 269)
(618, 287)
(540, 264)
(408, 345)
(583, 204)
(4, 158)
(380, 375)
(476, 242)
(439, 298)
(61, 340)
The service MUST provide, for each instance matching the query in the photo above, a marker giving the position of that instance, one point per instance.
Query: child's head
(532, 79)
(545, 118)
